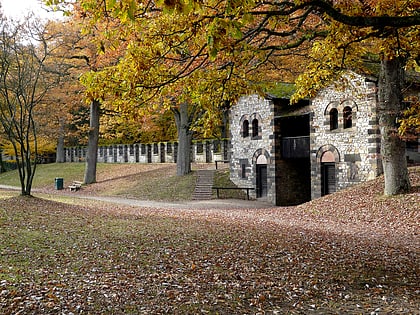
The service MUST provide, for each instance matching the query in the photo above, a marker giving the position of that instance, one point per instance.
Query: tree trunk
(393, 152)
(225, 120)
(59, 158)
(2, 167)
(92, 150)
(29, 154)
(182, 119)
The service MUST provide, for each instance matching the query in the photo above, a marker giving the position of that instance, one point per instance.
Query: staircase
(203, 185)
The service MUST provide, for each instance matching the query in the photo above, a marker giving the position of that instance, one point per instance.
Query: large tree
(86, 53)
(253, 34)
(165, 67)
(342, 34)
(55, 125)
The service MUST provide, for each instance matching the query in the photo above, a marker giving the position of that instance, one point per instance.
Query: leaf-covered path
(353, 252)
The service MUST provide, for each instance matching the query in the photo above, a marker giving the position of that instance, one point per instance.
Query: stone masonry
(356, 149)
(255, 147)
(344, 142)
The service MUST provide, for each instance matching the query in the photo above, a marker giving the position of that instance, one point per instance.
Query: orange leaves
(324, 257)
(348, 47)
(193, 266)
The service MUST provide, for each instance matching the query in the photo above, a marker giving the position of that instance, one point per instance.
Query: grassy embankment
(141, 181)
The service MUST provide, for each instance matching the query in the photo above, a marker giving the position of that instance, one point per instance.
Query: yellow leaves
(346, 47)
(394, 7)
(409, 124)
(95, 84)
(216, 32)
(221, 34)
(414, 66)
(45, 145)
(310, 82)
(179, 6)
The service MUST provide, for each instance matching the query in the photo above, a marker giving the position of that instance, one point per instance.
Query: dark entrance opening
(149, 153)
(261, 180)
(292, 147)
(328, 182)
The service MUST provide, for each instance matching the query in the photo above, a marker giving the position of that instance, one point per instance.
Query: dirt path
(193, 204)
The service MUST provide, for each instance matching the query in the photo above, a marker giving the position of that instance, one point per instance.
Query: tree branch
(287, 8)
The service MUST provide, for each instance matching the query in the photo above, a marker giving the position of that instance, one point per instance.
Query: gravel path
(196, 204)
(193, 204)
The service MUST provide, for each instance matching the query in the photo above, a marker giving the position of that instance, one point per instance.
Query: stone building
(291, 154)
(263, 132)
(345, 138)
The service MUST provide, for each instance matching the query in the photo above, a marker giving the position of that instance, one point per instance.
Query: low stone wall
(207, 151)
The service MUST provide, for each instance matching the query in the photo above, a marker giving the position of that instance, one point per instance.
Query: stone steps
(203, 185)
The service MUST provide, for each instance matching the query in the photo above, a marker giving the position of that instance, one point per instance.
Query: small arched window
(255, 128)
(347, 117)
(333, 119)
(245, 129)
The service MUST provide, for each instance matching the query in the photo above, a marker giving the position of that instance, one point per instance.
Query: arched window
(333, 119)
(347, 117)
(255, 128)
(245, 129)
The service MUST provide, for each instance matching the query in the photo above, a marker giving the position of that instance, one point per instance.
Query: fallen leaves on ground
(352, 252)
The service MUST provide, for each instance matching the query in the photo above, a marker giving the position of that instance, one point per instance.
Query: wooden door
(261, 180)
(328, 180)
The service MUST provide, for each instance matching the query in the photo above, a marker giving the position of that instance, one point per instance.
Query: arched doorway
(328, 177)
(261, 176)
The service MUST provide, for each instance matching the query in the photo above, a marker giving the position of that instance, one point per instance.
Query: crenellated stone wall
(207, 151)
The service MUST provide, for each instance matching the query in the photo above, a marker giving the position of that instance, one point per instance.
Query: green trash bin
(59, 183)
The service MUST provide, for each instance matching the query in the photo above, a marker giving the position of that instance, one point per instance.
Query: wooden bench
(240, 188)
(75, 186)
(221, 161)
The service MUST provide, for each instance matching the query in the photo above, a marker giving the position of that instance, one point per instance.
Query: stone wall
(207, 151)
(246, 151)
(355, 150)
(350, 146)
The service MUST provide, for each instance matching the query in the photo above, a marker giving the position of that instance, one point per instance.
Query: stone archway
(261, 160)
(327, 158)
(261, 184)
(328, 177)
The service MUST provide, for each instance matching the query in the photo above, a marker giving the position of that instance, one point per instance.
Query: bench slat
(240, 188)
(75, 186)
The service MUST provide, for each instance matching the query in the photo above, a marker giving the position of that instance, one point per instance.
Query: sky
(17, 9)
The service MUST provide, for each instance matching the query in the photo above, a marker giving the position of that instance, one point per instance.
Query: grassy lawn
(45, 174)
(141, 181)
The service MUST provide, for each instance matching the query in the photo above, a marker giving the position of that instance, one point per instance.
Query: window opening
(255, 128)
(245, 129)
(243, 170)
(347, 117)
(333, 119)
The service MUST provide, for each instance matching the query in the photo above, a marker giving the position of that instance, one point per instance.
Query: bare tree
(25, 77)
